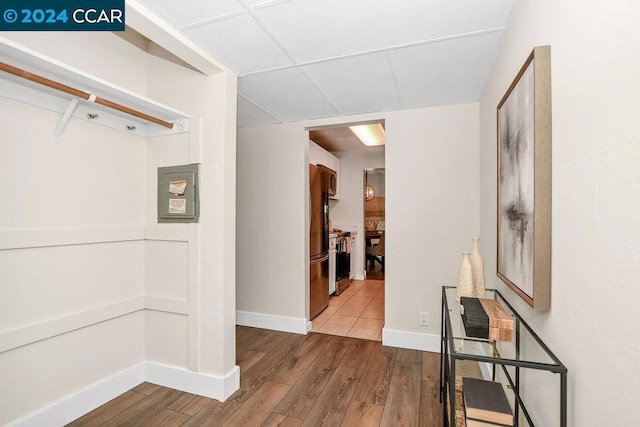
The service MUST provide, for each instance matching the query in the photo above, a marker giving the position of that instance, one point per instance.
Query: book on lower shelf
(485, 403)
(470, 422)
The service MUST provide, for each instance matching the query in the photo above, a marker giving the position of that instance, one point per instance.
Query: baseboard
(485, 367)
(294, 325)
(85, 400)
(411, 340)
(359, 277)
(213, 386)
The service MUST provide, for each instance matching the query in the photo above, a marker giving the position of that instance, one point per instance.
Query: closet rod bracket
(65, 118)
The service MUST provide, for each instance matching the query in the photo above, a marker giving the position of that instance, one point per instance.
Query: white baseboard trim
(359, 277)
(294, 325)
(411, 340)
(213, 386)
(86, 400)
(485, 368)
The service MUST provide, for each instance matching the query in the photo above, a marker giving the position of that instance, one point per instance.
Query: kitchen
(336, 222)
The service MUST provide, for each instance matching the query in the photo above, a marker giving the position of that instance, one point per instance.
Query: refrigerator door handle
(319, 260)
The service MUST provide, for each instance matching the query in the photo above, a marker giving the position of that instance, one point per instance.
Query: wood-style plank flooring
(296, 380)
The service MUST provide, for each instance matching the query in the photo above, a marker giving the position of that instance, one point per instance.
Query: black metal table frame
(448, 367)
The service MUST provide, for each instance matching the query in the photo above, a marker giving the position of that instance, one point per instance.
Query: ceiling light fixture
(370, 135)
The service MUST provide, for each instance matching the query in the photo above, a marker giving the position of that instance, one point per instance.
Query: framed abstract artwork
(524, 182)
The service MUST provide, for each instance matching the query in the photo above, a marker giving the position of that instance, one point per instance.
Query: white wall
(71, 249)
(431, 161)
(96, 297)
(204, 252)
(431, 179)
(272, 247)
(349, 210)
(596, 232)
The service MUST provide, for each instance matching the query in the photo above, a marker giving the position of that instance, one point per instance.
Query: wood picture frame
(524, 182)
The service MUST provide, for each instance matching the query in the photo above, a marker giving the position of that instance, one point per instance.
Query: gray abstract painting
(516, 184)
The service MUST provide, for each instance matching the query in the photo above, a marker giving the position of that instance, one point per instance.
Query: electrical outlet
(424, 318)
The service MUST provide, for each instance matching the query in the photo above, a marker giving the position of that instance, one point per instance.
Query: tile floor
(357, 312)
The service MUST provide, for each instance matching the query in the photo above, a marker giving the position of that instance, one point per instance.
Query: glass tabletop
(524, 347)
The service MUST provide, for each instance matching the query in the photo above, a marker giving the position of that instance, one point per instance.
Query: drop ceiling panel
(257, 4)
(250, 115)
(358, 84)
(239, 43)
(287, 94)
(181, 13)
(443, 73)
(351, 57)
(311, 29)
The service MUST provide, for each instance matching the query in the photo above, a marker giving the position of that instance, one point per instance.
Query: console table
(524, 352)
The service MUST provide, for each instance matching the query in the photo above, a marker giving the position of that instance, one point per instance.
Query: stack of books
(485, 403)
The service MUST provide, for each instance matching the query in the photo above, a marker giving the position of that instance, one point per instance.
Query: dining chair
(376, 253)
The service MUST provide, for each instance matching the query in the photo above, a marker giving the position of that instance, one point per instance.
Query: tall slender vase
(478, 270)
(464, 287)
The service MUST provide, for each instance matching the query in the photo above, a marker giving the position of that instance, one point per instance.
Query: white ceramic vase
(464, 287)
(477, 267)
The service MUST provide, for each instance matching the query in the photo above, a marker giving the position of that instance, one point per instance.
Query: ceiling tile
(181, 13)
(358, 84)
(450, 72)
(311, 29)
(250, 115)
(287, 94)
(240, 44)
(257, 4)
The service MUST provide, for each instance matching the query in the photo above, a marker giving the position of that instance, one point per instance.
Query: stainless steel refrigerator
(318, 239)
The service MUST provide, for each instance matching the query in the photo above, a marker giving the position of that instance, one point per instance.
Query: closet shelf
(21, 89)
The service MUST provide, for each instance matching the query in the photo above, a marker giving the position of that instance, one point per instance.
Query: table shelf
(509, 357)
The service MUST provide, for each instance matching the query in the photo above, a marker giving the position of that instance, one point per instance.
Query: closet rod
(84, 95)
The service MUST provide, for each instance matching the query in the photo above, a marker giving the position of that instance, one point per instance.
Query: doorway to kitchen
(348, 149)
(374, 222)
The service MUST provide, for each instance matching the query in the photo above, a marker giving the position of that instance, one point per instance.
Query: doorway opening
(374, 223)
(347, 149)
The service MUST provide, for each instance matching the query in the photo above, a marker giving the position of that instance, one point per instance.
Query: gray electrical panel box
(178, 199)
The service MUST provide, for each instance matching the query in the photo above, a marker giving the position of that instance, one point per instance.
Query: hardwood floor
(297, 380)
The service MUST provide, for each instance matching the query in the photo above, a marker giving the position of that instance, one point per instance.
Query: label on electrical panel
(177, 206)
(177, 188)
